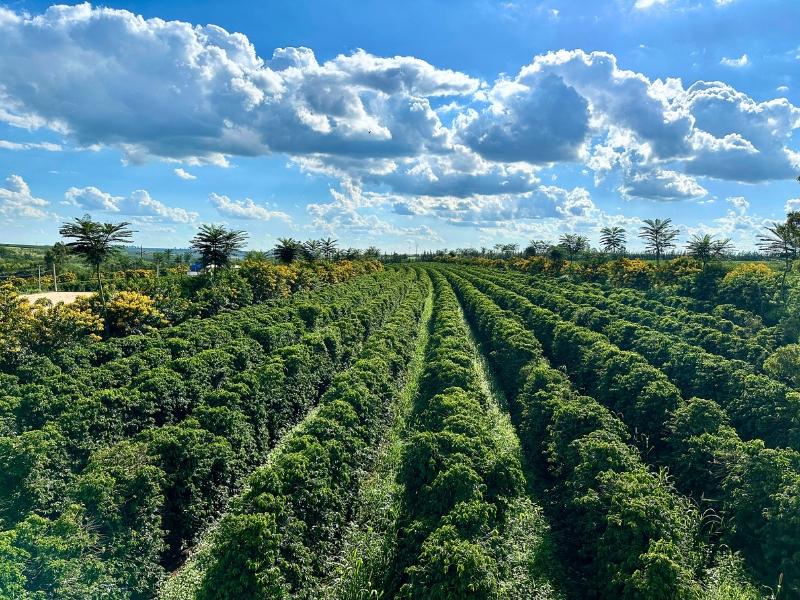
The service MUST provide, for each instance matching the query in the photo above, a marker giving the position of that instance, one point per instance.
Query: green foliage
(784, 365)
(149, 436)
(751, 287)
(459, 482)
(217, 244)
(708, 458)
(615, 511)
(276, 541)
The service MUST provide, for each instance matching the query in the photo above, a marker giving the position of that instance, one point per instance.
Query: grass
(528, 553)
(367, 548)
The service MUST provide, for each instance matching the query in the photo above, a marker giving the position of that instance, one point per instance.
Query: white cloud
(343, 214)
(538, 120)
(199, 95)
(741, 227)
(645, 4)
(661, 184)
(793, 204)
(619, 98)
(16, 200)
(92, 198)
(245, 209)
(183, 174)
(737, 138)
(736, 63)
(547, 202)
(48, 146)
(740, 203)
(139, 203)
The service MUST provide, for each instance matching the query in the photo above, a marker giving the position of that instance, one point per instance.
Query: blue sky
(413, 124)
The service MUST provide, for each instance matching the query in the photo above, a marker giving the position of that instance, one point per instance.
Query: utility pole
(40, 277)
(55, 279)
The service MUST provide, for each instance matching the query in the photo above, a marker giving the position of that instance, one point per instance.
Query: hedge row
(44, 388)
(759, 407)
(133, 497)
(268, 353)
(725, 318)
(281, 534)
(754, 490)
(626, 531)
(675, 322)
(462, 488)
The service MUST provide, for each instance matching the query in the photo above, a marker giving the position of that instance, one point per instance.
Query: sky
(420, 124)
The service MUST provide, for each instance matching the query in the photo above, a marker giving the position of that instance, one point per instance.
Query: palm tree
(573, 244)
(537, 248)
(312, 250)
(509, 250)
(658, 235)
(328, 248)
(217, 244)
(705, 247)
(95, 242)
(286, 250)
(612, 240)
(352, 254)
(782, 240)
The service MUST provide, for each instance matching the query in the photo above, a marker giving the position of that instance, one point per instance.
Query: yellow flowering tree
(54, 326)
(43, 326)
(15, 314)
(127, 313)
(630, 272)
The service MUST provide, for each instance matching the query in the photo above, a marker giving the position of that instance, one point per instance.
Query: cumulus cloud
(139, 204)
(620, 98)
(537, 120)
(737, 224)
(660, 184)
(740, 203)
(736, 137)
(16, 200)
(245, 209)
(547, 202)
(174, 90)
(183, 174)
(645, 4)
(200, 94)
(793, 204)
(92, 198)
(345, 213)
(736, 63)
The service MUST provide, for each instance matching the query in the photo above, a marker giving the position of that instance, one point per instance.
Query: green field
(427, 431)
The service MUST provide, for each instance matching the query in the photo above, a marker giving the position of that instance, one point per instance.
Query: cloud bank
(434, 141)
